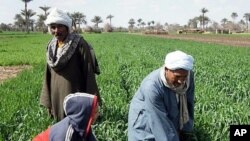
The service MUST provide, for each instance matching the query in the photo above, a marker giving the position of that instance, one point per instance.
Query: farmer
(71, 65)
(81, 110)
(162, 109)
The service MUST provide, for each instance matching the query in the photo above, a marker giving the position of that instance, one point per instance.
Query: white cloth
(181, 96)
(59, 17)
(179, 60)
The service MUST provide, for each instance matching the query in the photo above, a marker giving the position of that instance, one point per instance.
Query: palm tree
(139, 22)
(247, 18)
(19, 21)
(192, 23)
(97, 20)
(149, 25)
(234, 16)
(42, 18)
(242, 24)
(143, 24)
(78, 18)
(200, 20)
(166, 25)
(153, 22)
(32, 23)
(26, 16)
(110, 17)
(206, 21)
(40, 23)
(224, 21)
(131, 23)
(203, 11)
(45, 9)
(215, 25)
(29, 14)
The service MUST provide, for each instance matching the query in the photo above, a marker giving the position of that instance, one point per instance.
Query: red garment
(92, 115)
(44, 136)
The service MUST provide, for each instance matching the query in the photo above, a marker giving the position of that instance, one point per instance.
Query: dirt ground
(231, 40)
(7, 72)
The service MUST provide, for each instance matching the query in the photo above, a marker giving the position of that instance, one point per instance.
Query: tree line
(24, 22)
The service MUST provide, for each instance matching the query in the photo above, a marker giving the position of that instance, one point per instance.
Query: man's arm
(162, 128)
(89, 74)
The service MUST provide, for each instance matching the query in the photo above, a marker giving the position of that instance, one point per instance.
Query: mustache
(58, 34)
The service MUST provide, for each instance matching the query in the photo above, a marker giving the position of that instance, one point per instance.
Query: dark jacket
(78, 75)
(76, 126)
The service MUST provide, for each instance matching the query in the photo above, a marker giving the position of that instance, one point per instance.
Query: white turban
(59, 17)
(179, 60)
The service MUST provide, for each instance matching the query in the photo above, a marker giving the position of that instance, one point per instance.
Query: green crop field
(222, 77)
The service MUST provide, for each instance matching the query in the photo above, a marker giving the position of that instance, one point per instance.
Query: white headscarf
(179, 60)
(59, 17)
(173, 61)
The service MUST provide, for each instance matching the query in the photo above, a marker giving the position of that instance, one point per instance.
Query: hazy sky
(163, 11)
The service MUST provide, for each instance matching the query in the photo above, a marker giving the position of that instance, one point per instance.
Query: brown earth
(230, 40)
(7, 72)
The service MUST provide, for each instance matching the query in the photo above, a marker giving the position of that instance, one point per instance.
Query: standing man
(163, 107)
(71, 65)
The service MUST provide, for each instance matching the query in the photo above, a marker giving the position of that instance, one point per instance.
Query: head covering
(80, 110)
(59, 17)
(179, 60)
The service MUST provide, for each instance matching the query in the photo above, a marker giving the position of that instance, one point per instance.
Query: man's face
(59, 31)
(177, 77)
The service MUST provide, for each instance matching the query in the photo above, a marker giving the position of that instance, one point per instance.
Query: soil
(230, 40)
(7, 72)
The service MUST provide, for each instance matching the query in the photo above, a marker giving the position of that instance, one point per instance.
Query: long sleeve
(88, 70)
(45, 98)
(161, 127)
(95, 64)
